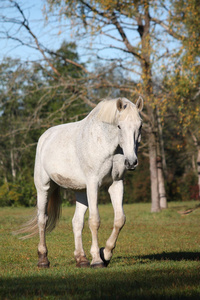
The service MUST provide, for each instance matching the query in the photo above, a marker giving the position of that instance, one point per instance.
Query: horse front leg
(116, 195)
(43, 261)
(78, 224)
(94, 223)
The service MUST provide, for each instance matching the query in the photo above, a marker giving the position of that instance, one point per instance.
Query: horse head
(129, 129)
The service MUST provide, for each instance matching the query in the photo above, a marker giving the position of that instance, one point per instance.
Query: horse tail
(53, 212)
(30, 228)
(53, 209)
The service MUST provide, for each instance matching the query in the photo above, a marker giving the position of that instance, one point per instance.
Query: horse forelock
(131, 113)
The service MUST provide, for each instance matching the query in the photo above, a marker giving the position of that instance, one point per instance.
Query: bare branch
(168, 29)
(131, 49)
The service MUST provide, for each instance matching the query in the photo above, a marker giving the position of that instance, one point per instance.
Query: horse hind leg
(49, 208)
(78, 224)
(43, 261)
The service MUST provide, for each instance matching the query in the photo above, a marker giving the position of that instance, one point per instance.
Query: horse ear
(120, 105)
(139, 103)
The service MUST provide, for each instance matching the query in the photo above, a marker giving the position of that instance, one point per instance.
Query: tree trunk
(160, 164)
(161, 183)
(198, 168)
(12, 165)
(197, 145)
(155, 203)
(144, 31)
(161, 141)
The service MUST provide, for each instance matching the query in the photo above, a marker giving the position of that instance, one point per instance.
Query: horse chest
(105, 172)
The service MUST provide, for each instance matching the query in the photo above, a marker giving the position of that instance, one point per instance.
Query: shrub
(19, 193)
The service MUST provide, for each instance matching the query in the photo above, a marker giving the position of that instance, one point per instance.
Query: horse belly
(68, 182)
(66, 172)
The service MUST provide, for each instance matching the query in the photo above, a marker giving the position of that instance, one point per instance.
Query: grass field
(157, 257)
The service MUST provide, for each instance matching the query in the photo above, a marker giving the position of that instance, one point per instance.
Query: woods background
(134, 48)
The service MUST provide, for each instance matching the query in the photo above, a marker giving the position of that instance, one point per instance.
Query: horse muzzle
(131, 165)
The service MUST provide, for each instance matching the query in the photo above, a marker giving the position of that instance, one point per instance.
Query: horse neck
(111, 135)
(102, 130)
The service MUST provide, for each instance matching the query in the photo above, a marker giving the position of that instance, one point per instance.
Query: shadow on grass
(164, 256)
(111, 283)
(173, 256)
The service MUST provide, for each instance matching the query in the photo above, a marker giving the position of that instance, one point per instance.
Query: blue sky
(51, 35)
(48, 35)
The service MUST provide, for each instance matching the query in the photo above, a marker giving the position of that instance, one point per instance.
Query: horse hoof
(106, 262)
(43, 261)
(83, 265)
(43, 265)
(82, 262)
(98, 265)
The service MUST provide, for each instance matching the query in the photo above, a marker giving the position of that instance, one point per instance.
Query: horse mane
(108, 112)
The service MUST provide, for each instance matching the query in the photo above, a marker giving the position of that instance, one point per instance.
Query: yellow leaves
(179, 147)
(107, 4)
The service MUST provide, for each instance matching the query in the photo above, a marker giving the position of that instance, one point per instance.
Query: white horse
(82, 156)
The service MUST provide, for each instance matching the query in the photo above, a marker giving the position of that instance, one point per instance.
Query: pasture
(157, 257)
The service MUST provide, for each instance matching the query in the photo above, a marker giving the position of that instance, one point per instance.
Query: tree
(116, 21)
(184, 80)
(152, 35)
(31, 101)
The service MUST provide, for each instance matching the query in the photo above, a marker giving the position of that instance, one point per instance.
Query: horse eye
(119, 127)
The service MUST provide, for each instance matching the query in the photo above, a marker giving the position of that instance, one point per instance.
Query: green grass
(157, 257)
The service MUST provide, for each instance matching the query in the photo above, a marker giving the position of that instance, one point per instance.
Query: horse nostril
(135, 162)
